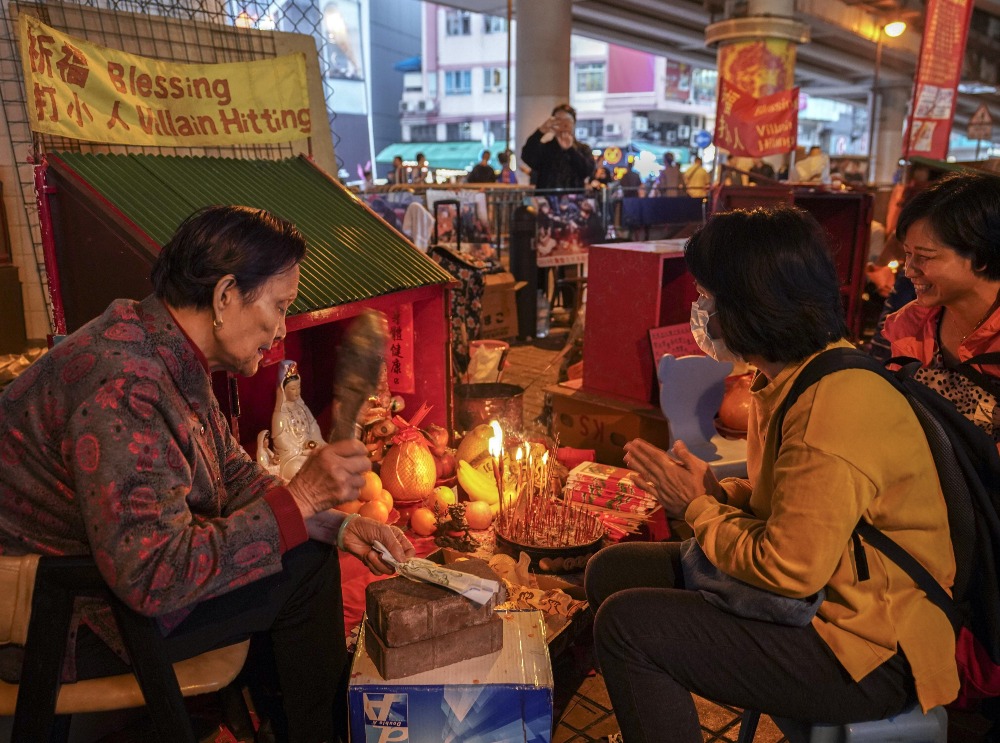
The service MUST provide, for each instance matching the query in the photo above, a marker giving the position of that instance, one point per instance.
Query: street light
(892, 30)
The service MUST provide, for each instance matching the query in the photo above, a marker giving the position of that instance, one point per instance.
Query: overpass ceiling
(838, 63)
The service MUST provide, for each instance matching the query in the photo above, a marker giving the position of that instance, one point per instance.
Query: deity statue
(294, 433)
(375, 418)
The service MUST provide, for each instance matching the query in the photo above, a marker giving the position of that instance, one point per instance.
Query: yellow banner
(84, 91)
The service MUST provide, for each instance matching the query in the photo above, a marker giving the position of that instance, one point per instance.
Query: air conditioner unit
(683, 132)
(612, 128)
(582, 132)
(404, 107)
(640, 123)
(671, 137)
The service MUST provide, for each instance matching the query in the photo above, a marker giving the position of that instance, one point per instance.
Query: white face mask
(702, 310)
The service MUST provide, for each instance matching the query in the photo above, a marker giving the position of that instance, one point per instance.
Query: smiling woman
(951, 236)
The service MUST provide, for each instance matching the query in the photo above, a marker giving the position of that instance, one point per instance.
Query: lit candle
(495, 452)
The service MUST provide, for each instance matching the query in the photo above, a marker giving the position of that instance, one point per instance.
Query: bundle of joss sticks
(610, 495)
(536, 516)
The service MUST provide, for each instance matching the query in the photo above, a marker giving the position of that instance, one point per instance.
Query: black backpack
(968, 467)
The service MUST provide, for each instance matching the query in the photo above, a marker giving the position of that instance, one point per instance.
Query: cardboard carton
(503, 696)
(604, 424)
(499, 313)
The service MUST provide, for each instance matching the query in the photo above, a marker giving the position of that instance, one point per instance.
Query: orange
(423, 522)
(386, 497)
(372, 487)
(478, 515)
(375, 510)
(352, 506)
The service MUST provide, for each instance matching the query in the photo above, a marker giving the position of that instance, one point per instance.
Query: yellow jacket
(851, 448)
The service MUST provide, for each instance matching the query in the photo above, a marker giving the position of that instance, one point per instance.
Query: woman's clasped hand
(675, 477)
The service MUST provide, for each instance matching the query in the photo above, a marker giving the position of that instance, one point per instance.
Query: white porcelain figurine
(294, 433)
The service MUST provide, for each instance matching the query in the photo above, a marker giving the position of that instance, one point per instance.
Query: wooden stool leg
(748, 726)
(35, 713)
(156, 677)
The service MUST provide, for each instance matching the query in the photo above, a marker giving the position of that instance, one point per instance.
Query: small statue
(375, 419)
(294, 433)
(453, 530)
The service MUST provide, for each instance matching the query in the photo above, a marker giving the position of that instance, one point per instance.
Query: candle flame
(519, 454)
(496, 441)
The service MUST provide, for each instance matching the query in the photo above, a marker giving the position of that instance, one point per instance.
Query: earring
(217, 324)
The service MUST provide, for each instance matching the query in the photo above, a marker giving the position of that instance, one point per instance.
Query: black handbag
(737, 597)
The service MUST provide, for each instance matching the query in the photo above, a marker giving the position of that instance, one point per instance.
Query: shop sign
(753, 127)
(80, 90)
(981, 124)
(939, 70)
(399, 356)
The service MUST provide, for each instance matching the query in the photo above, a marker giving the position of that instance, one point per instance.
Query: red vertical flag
(747, 126)
(939, 70)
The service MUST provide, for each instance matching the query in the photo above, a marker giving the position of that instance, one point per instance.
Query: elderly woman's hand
(675, 478)
(361, 533)
(331, 475)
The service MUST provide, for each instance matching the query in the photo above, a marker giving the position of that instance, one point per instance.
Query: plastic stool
(909, 726)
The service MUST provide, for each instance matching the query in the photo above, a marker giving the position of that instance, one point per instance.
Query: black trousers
(657, 643)
(295, 620)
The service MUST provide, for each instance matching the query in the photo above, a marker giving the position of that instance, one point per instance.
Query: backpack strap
(837, 359)
(917, 572)
(968, 370)
(827, 362)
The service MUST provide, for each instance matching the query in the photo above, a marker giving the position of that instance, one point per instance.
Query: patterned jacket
(113, 444)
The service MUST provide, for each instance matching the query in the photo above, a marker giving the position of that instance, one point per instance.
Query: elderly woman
(951, 237)
(114, 446)
(768, 293)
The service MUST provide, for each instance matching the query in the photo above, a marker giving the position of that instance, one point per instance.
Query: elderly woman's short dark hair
(775, 286)
(963, 212)
(251, 244)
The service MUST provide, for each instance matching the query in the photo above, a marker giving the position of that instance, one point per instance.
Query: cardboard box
(504, 696)
(605, 424)
(499, 314)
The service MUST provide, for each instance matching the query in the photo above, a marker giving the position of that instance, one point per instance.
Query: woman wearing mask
(769, 294)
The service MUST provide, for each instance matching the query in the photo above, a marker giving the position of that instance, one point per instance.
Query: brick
(434, 652)
(403, 611)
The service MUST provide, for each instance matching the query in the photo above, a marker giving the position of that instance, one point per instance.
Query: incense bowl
(551, 560)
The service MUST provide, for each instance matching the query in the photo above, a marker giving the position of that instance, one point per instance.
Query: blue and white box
(502, 697)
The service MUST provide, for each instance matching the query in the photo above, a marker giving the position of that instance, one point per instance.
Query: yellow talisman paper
(81, 90)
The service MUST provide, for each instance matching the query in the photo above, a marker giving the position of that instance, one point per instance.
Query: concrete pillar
(889, 137)
(543, 47)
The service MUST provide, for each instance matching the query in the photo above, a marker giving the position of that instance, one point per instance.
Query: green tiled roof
(353, 254)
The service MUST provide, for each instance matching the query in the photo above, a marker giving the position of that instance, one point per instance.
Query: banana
(479, 485)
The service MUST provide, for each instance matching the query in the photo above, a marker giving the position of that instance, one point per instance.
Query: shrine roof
(353, 253)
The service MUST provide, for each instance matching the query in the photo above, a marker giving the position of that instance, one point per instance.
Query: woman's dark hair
(566, 108)
(251, 244)
(775, 286)
(963, 212)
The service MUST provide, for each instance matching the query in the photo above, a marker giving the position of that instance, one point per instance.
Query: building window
(458, 23)
(458, 82)
(590, 77)
(459, 132)
(494, 79)
(704, 83)
(423, 132)
(494, 24)
(589, 129)
(496, 132)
